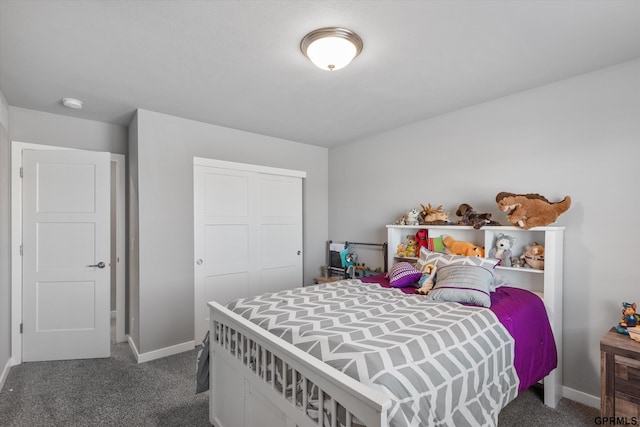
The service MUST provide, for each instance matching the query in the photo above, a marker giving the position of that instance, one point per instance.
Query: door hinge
(21, 326)
(21, 172)
(20, 250)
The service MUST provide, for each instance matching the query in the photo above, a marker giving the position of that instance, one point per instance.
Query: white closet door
(248, 236)
(280, 231)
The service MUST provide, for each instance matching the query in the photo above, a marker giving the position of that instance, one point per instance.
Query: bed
(361, 352)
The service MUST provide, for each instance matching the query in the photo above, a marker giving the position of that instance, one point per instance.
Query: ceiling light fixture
(331, 48)
(72, 103)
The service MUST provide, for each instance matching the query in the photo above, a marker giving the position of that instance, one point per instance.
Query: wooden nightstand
(619, 376)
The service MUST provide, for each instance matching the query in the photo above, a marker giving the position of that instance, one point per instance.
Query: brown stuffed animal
(471, 217)
(534, 256)
(531, 210)
(457, 247)
(430, 215)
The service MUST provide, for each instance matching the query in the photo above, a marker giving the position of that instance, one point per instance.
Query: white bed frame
(242, 393)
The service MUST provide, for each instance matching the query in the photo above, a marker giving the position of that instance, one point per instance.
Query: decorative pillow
(403, 274)
(440, 260)
(467, 284)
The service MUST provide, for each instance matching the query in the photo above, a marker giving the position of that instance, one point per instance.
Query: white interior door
(247, 236)
(66, 249)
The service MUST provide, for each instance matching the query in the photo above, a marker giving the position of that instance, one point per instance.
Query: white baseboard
(5, 373)
(163, 352)
(581, 397)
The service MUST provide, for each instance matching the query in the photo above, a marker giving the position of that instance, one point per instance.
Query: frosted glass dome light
(331, 48)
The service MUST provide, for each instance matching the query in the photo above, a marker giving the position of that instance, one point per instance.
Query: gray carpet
(119, 392)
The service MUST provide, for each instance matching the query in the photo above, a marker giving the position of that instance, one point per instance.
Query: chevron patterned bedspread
(442, 364)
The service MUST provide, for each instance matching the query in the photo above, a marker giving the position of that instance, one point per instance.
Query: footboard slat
(334, 413)
(320, 408)
(293, 381)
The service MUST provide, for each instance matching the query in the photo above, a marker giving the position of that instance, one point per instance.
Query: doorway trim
(16, 242)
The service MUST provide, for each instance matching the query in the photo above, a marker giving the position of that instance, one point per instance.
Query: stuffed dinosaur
(531, 210)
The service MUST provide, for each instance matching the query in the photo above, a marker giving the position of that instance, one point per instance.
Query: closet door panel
(247, 234)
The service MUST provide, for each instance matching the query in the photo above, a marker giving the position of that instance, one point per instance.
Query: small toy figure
(427, 278)
(629, 318)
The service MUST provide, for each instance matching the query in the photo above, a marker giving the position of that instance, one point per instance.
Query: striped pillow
(403, 274)
(467, 284)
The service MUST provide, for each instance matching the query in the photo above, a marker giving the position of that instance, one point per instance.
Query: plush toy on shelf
(410, 218)
(401, 250)
(534, 256)
(473, 218)
(502, 249)
(435, 216)
(531, 210)
(458, 247)
(411, 247)
(421, 239)
(517, 262)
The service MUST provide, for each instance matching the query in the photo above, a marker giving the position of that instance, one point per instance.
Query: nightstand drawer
(627, 406)
(627, 376)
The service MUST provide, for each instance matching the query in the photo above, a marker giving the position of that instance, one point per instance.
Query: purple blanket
(523, 314)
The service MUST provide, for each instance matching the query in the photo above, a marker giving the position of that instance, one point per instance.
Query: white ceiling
(238, 64)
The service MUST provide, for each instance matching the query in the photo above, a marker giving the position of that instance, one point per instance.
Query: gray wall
(166, 146)
(5, 237)
(63, 131)
(577, 137)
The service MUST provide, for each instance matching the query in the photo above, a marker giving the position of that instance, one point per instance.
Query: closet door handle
(99, 265)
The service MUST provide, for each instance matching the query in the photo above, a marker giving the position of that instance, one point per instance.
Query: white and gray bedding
(440, 363)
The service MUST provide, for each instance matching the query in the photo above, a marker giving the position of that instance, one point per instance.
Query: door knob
(99, 265)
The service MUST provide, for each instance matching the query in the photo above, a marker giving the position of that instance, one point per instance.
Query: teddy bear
(411, 247)
(502, 249)
(473, 218)
(531, 210)
(457, 247)
(534, 256)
